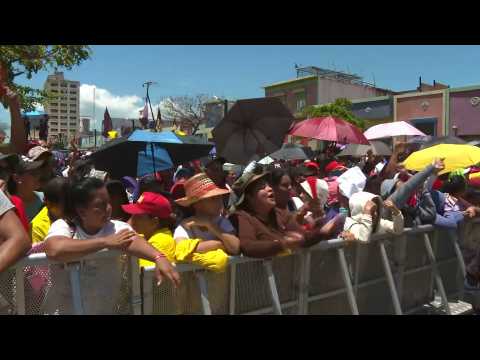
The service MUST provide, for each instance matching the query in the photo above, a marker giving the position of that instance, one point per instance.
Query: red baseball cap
(151, 204)
(312, 164)
(334, 165)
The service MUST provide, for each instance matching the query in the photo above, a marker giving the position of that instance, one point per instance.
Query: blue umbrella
(149, 163)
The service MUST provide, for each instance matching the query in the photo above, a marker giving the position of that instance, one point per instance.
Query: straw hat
(200, 187)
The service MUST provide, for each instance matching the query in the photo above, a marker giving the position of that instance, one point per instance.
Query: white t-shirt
(196, 233)
(100, 280)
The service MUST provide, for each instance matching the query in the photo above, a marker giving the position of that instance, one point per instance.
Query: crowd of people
(205, 214)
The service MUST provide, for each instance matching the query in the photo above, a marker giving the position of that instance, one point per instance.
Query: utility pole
(148, 84)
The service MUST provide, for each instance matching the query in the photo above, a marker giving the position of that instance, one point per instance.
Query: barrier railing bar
(347, 281)
(233, 289)
(372, 282)
(305, 291)
(400, 257)
(391, 284)
(356, 274)
(74, 274)
(20, 291)
(270, 309)
(202, 284)
(147, 293)
(136, 294)
(272, 287)
(436, 274)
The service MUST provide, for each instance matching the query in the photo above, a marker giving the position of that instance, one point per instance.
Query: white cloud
(119, 106)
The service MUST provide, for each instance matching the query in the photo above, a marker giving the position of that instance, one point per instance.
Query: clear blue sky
(240, 71)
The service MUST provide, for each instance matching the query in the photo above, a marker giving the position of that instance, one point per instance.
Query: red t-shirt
(20, 211)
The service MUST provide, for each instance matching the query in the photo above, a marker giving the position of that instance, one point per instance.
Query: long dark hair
(275, 176)
(80, 194)
(455, 185)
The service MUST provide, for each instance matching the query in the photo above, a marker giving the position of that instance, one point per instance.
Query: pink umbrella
(396, 128)
(329, 128)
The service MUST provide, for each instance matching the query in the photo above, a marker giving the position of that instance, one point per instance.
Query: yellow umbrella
(456, 157)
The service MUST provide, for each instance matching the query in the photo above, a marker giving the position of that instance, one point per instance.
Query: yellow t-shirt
(40, 226)
(163, 241)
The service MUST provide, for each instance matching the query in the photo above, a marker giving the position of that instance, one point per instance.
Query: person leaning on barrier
(365, 217)
(207, 237)
(14, 240)
(263, 229)
(86, 230)
(151, 217)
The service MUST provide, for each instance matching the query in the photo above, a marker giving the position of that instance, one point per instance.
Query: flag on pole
(159, 122)
(144, 115)
(107, 123)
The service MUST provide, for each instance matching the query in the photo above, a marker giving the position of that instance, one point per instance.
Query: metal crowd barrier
(389, 275)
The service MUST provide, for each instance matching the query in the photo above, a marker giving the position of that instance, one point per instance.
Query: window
(73, 99)
(64, 85)
(300, 101)
(63, 111)
(54, 104)
(73, 85)
(63, 117)
(73, 130)
(72, 92)
(53, 123)
(54, 110)
(63, 105)
(63, 124)
(54, 90)
(53, 84)
(73, 111)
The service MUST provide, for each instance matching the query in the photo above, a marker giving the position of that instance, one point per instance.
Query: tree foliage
(185, 109)
(27, 60)
(341, 108)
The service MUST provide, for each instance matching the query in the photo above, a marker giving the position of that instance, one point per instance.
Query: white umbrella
(396, 128)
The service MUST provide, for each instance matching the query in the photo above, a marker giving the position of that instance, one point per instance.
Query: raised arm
(18, 135)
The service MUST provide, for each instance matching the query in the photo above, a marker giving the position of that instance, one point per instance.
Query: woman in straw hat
(206, 238)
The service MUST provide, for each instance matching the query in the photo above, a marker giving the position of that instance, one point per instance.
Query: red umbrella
(329, 128)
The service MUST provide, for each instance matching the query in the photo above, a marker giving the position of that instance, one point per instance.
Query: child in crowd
(206, 238)
(55, 193)
(118, 197)
(151, 217)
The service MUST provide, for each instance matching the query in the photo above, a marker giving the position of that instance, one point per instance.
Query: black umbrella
(120, 156)
(292, 152)
(252, 129)
(442, 140)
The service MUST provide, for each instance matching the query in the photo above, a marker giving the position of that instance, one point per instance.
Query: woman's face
(211, 207)
(283, 190)
(30, 181)
(98, 211)
(262, 196)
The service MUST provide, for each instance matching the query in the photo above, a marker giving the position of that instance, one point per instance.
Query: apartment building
(63, 111)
